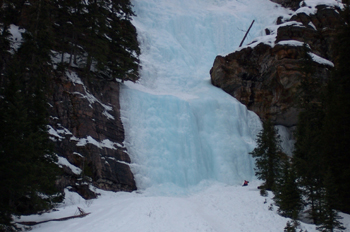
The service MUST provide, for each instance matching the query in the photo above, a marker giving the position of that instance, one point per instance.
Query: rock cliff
(265, 74)
(88, 134)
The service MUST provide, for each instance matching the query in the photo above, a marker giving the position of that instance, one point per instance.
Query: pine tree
(337, 117)
(74, 23)
(267, 156)
(308, 160)
(291, 226)
(98, 38)
(123, 61)
(27, 163)
(95, 41)
(330, 218)
(64, 30)
(287, 194)
(26, 160)
(6, 12)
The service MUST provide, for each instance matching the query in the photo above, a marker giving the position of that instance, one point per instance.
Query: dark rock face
(88, 133)
(265, 76)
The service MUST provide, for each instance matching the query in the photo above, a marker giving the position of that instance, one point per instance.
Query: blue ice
(180, 130)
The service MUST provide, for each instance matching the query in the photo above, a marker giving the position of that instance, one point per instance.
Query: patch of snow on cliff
(16, 36)
(312, 25)
(330, 3)
(293, 43)
(320, 60)
(54, 135)
(64, 162)
(58, 133)
(271, 37)
(73, 77)
(106, 143)
(309, 7)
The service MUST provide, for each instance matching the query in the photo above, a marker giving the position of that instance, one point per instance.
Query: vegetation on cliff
(315, 182)
(94, 37)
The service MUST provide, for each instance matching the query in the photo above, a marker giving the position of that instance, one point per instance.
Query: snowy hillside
(188, 140)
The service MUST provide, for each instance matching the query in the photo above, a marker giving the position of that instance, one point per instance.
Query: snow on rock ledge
(265, 74)
(88, 134)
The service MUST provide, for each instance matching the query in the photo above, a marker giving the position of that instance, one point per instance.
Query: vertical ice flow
(181, 130)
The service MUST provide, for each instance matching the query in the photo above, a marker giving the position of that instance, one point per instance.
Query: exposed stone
(266, 78)
(86, 117)
(318, 30)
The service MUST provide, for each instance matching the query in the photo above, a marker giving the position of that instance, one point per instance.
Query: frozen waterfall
(181, 130)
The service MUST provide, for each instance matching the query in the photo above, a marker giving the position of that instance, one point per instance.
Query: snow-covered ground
(188, 141)
(219, 208)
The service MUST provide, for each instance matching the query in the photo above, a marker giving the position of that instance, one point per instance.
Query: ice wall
(181, 130)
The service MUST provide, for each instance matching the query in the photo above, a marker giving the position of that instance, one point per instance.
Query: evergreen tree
(292, 226)
(337, 118)
(27, 168)
(123, 62)
(27, 163)
(267, 156)
(4, 48)
(287, 194)
(308, 162)
(308, 159)
(95, 43)
(97, 37)
(70, 26)
(330, 219)
(64, 30)
(6, 11)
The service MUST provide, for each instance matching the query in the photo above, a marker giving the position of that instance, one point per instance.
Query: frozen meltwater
(180, 130)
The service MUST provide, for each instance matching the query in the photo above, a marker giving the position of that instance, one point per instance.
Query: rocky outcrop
(266, 74)
(88, 133)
